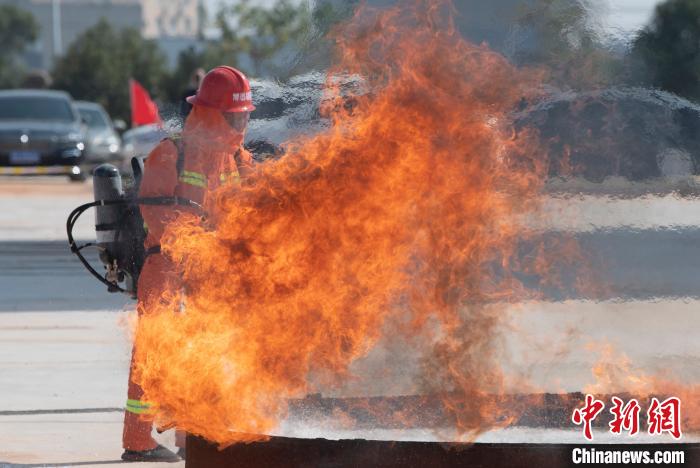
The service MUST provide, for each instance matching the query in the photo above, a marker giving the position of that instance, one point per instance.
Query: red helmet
(225, 89)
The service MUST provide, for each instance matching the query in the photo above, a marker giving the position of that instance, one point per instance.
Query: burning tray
(290, 452)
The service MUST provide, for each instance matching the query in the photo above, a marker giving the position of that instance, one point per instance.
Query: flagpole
(131, 100)
(56, 26)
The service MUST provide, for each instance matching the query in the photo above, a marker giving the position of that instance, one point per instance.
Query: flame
(615, 372)
(396, 223)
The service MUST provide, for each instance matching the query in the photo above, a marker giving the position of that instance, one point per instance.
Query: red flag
(143, 110)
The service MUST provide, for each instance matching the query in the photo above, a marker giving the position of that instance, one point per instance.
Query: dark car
(632, 133)
(41, 133)
(636, 134)
(102, 143)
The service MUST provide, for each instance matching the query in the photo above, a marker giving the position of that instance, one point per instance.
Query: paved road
(36, 209)
(46, 276)
(64, 348)
(63, 342)
(63, 380)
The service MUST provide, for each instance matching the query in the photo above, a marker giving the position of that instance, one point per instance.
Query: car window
(93, 118)
(35, 108)
(145, 134)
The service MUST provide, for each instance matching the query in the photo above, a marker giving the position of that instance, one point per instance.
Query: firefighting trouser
(138, 422)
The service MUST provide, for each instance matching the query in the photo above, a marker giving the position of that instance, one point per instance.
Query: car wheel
(78, 177)
(674, 163)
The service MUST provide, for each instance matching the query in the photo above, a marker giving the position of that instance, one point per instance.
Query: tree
(263, 32)
(259, 33)
(567, 42)
(317, 49)
(666, 54)
(98, 65)
(18, 28)
(252, 32)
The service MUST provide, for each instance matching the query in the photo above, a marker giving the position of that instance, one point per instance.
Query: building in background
(170, 18)
(173, 23)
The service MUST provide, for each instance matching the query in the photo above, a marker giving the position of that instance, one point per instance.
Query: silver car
(140, 141)
(103, 142)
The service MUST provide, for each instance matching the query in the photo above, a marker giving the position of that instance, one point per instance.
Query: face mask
(238, 121)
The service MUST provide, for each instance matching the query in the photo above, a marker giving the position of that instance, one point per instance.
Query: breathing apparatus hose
(77, 212)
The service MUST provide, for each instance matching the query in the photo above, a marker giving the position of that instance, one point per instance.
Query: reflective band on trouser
(137, 407)
(193, 178)
(230, 178)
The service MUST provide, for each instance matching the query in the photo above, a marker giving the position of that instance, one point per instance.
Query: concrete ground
(64, 346)
(63, 379)
(36, 208)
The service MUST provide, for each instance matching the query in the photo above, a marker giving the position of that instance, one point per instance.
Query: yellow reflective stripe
(230, 177)
(137, 407)
(145, 227)
(193, 181)
(194, 175)
(199, 180)
(193, 178)
(137, 403)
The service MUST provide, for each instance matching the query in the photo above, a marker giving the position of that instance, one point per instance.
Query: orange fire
(615, 372)
(396, 222)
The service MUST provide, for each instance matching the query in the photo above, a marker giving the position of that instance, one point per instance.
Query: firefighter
(211, 155)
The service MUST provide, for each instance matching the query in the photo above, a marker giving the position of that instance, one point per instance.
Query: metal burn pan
(290, 452)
